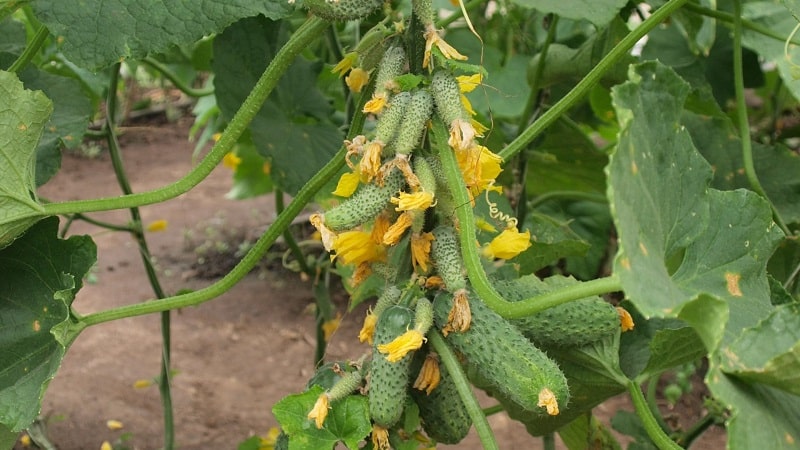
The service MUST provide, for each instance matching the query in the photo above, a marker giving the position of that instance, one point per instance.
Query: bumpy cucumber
(392, 116)
(417, 114)
(446, 256)
(572, 324)
(392, 64)
(388, 382)
(447, 96)
(444, 416)
(367, 202)
(342, 10)
(503, 359)
(423, 9)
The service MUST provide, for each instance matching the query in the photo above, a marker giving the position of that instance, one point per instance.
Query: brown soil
(234, 357)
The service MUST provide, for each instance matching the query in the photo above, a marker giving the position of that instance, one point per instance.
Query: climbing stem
(450, 361)
(30, 50)
(727, 17)
(469, 251)
(657, 435)
(310, 30)
(176, 80)
(594, 75)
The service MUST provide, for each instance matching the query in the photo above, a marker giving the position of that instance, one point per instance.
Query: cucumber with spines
(388, 381)
(446, 256)
(444, 416)
(364, 205)
(417, 114)
(393, 114)
(342, 10)
(447, 97)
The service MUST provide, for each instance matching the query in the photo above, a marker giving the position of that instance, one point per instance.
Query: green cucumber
(342, 10)
(417, 114)
(446, 256)
(393, 114)
(447, 97)
(499, 358)
(388, 382)
(364, 205)
(572, 324)
(444, 416)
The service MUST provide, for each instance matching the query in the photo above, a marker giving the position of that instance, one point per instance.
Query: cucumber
(367, 202)
(447, 97)
(446, 255)
(444, 416)
(417, 114)
(572, 324)
(342, 10)
(388, 381)
(499, 358)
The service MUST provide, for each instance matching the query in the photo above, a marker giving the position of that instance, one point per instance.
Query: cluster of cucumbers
(506, 358)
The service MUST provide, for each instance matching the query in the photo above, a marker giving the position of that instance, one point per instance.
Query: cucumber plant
(557, 218)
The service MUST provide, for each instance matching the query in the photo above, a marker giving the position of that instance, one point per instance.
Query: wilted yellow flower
(320, 410)
(434, 282)
(421, 250)
(363, 271)
(395, 232)
(462, 134)
(479, 167)
(376, 104)
(354, 147)
(114, 425)
(381, 226)
(460, 316)
(548, 400)
(625, 319)
(371, 161)
(157, 225)
(380, 437)
(429, 375)
(367, 333)
(357, 79)
(347, 63)
(418, 201)
(231, 161)
(348, 183)
(432, 38)
(326, 234)
(508, 244)
(330, 326)
(356, 247)
(407, 342)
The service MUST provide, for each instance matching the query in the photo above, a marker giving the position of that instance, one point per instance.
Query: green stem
(147, 260)
(450, 361)
(731, 18)
(300, 39)
(491, 410)
(469, 251)
(698, 428)
(592, 78)
(30, 50)
(289, 237)
(652, 388)
(741, 116)
(534, 99)
(657, 435)
(176, 80)
(549, 441)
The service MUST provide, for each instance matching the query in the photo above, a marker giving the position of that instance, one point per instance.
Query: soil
(233, 357)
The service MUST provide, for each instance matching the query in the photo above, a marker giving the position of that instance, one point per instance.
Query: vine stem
(729, 18)
(474, 410)
(469, 251)
(176, 80)
(30, 49)
(742, 120)
(310, 30)
(657, 435)
(591, 78)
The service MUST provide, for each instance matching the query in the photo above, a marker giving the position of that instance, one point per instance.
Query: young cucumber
(572, 324)
(342, 10)
(446, 255)
(388, 382)
(499, 358)
(363, 206)
(444, 416)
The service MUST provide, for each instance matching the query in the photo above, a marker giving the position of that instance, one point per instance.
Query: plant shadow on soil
(233, 357)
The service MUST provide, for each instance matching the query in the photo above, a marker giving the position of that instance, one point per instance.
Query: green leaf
(347, 421)
(23, 114)
(628, 423)
(769, 353)
(293, 129)
(98, 33)
(41, 275)
(586, 432)
(552, 241)
(599, 12)
(71, 113)
(251, 177)
(506, 90)
(670, 249)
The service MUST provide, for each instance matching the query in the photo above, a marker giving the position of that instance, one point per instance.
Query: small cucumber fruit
(417, 114)
(444, 416)
(364, 205)
(388, 382)
(446, 256)
(342, 10)
(504, 360)
(447, 97)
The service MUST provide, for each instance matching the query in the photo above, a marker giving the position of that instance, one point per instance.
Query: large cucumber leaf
(41, 275)
(98, 33)
(599, 12)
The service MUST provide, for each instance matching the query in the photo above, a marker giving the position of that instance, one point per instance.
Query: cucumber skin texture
(499, 358)
(446, 256)
(444, 416)
(342, 10)
(418, 112)
(388, 383)
(447, 96)
(364, 205)
(572, 324)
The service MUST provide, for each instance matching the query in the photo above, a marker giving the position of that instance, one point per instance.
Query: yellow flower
(462, 134)
(407, 342)
(395, 232)
(371, 161)
(106, 446)
(418, 201)
(348, 183)
(326, 234)
(367, 333)
(330, 326)
(625, 319)
(320, 410)
(357, 79)
(347, 63)
(356, 247)
(142, 384)
(25, 440)
(270, 439)
(468, 83)
(480, 129)
(479, 167)
(429, 375)
(157, 225)
(460, 316)
(508, 244)
(432, 38)
(363, 271)
(548, 400)
(421, 250)
(114, 425)
(380, 437)
(381, 226)
(231, 161)
(376, 104)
